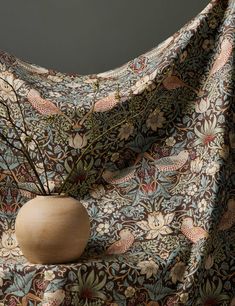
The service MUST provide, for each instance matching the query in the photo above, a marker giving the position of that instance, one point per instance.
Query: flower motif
(196, 165)
(6, 90)
(206, 133)
(212, 168)
(103, 228)
(49, 275)
(144, 83)
(211, 293)
(148, 267)
(202, 205)
(192, 189)
(202, 105)
(208, 44)
(89, 286)
(109, 208)
(177, 272)
(78, 141)
(155, 120)
(157, 224)
(9, 246)
(129, 292)
(28, 141)
(170, 141)
(125, 131)
(97, 191)
(138, 64)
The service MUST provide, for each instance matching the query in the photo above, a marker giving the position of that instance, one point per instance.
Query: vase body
(52, 229)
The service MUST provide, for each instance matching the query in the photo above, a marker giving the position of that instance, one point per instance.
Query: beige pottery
(52, 229)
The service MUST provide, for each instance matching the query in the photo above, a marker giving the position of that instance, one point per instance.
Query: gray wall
(89, 36)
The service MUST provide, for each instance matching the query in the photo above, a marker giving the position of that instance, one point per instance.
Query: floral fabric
(157, 181)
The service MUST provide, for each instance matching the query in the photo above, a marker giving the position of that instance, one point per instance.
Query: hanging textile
(157, 181)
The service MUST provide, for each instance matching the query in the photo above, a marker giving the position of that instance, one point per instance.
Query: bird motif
(43, 106)
(119, 176)
(193, 233)
(107, 103)
(53, 298)
(228, 218)
(173, 82)
(123, 244)
(172, 163)
(225, 53)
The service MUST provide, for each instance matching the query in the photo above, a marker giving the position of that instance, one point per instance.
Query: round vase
(52, 229)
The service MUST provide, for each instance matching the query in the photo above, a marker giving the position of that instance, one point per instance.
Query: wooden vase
(52, 229)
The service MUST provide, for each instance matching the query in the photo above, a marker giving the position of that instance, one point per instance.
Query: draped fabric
(157, 177)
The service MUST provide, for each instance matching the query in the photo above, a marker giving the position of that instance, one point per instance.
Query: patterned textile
(158, 180)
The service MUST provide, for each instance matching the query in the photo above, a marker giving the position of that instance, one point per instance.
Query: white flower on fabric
(78, 141)
(148, 268)
(212, 168)
(202, 205)
(9, 244)
(6, 86)
(144, 83)
(202, 105)
(170, 141)
(109, 208)
(28, 141)
(207, 132)
(192, 189)
(196, 165)
(49, 275)
(129, 292)
(103, 228)
(157, 224)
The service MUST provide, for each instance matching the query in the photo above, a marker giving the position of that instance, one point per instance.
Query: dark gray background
(89, 36)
